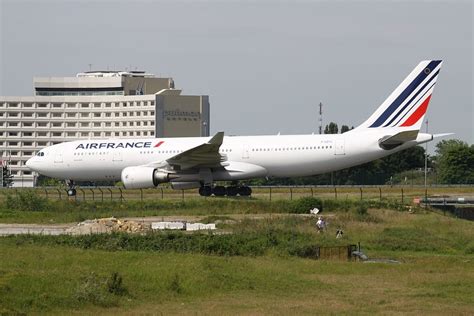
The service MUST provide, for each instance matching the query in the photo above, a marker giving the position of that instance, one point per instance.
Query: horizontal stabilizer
(391, 141)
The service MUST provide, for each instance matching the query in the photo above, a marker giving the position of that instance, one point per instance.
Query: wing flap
(204, 155)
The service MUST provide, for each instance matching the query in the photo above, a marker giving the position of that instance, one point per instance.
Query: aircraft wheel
(205, 191)
(219, 190)
(245, 191)
(232, 191)
(71, 192)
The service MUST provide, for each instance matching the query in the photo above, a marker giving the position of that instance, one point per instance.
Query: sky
(265, 65)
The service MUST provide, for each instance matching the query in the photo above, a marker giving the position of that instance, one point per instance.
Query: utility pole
(320, 117)
(426, 157)
(426, 168)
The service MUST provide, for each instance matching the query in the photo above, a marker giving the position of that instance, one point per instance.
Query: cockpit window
(40, 154)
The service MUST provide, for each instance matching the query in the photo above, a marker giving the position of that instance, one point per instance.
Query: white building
(95, 105)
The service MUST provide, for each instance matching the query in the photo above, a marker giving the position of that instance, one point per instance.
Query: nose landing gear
(71, 191)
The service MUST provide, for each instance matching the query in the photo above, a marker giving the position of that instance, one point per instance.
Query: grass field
(57, 275)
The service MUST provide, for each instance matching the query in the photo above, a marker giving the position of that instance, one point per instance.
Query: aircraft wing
(204, 155)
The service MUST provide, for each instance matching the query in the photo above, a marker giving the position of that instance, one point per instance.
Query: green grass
(47, 279)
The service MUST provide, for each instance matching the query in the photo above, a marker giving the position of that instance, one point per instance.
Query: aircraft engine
(143, 177)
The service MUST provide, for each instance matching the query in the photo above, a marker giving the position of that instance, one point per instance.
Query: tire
(232, 191)
(245, 191)
(219, 190)
(205, 191)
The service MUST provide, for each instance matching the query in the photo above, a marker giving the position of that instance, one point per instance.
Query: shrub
(26, 200)
(115, 284)
(305, 204)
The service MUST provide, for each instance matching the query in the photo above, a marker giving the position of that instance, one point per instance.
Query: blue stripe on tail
(408, 90)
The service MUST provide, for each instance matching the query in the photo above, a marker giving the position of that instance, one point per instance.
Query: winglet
(217, 139)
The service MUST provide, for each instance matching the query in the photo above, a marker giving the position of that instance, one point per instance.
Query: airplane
(198, 162)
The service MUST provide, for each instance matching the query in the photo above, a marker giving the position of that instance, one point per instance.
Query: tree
(344, 128)
(331, 128)
(455, 162)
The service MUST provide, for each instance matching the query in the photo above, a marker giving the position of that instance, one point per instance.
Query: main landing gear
(71, 191)
(219, 190)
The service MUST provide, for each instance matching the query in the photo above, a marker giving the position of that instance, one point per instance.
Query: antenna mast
(320, 117)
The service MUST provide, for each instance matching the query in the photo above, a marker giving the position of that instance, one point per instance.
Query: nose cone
(30, 164)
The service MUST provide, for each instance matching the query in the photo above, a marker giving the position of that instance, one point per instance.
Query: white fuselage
(279, 156)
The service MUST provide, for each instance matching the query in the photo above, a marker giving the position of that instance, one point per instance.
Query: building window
(42, 124)
(57, 114)
(27, 134)
(84, 105)
(71, 124)
(84, 124)
(43, 115)
(13, 124)
(42, 134)
(71, 134)
(13, 143)
(12, 134)
(42, 105)
(71, 114)
(84, 114)
(56, 134)
(57, 105)
(97, 124)
(57, 124)
(27, 143)
(96, 134)
(84, 134)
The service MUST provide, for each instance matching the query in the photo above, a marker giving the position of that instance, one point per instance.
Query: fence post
(46, 192)
(312, 192)
(360, 188)
(102, 194)
(182, 194)
(83, 194)
(93, 194)
(402, 196)
(270, 193)
(380, 194)
(111, 195)
(59, 194)
(121, 195)
(141, 195)
(291, 194)
(335, 193)
(161, 193)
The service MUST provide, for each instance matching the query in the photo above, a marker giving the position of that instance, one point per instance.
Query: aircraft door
(340, 148)
(245, 152)
(117, 156)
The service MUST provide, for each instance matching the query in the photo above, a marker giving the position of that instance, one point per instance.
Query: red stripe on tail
(418, 113)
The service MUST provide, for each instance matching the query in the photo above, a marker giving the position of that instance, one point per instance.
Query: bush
(115, 284)
(304, 205)
(26, 200)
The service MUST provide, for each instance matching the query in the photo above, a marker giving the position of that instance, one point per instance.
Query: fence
(403, 194)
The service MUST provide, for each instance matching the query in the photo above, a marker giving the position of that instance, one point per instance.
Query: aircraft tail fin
(406, 106)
